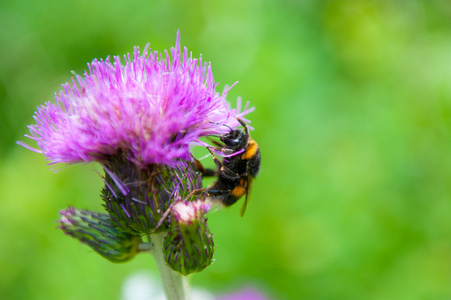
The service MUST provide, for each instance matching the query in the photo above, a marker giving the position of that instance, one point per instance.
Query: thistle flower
(189, 245)
(139, 118)
(149, 110)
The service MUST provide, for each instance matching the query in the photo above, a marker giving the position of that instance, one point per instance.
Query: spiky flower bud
(137, 199)
(189, 247)
(97, 231)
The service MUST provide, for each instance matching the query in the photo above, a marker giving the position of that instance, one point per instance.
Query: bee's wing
(250, 180)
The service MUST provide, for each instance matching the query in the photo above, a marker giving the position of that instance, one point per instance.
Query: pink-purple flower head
(188, 212)
(150, 109)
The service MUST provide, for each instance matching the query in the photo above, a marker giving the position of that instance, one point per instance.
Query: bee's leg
(229, 174)
(204, 171)
(217, 193)
(215, 159)
(246, 130)
(216, 143)
(221, 149)
(224, 171)
(194, 193)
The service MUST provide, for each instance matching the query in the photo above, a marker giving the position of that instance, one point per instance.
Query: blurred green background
(353, 117)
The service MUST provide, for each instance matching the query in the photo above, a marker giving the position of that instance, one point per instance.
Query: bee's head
(235, 139)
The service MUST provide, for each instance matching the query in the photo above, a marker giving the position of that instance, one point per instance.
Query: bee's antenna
(227, 126)
(222, 125)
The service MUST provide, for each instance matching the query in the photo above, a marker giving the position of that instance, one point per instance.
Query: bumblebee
(236, 171)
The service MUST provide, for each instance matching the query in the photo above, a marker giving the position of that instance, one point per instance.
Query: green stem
(174, 284)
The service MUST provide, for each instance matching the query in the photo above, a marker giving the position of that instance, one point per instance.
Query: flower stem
(175, 285)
